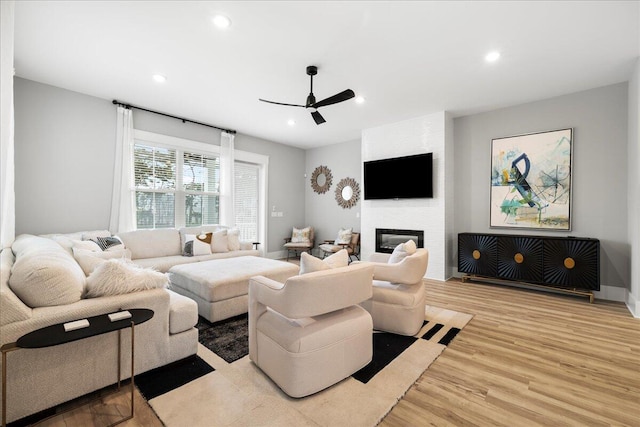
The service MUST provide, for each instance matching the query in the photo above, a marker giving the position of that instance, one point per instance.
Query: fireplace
(387, 239)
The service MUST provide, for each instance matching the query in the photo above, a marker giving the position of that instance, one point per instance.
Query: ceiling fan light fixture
(291, 122)
(360, 100)
(159, 78)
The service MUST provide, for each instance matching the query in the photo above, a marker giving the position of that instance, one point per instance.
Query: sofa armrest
(155, 299)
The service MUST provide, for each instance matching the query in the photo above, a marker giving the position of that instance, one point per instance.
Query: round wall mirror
(347, 193)
(321, 179)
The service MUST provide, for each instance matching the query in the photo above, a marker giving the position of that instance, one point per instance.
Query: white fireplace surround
(415, 136)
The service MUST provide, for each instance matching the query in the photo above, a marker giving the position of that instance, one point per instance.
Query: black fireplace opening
(388, 238)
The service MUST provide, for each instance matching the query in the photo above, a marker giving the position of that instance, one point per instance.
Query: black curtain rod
(129, 106)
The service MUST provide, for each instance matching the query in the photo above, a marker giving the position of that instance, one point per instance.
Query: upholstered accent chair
(309, 333)
(301, 240)
(398, 301)
(352, 246)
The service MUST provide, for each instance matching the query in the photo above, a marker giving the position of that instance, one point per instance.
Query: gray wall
(322, 210)
(599, 209)
(64, 155)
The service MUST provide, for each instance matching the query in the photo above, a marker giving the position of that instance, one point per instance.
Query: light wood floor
(527, 358)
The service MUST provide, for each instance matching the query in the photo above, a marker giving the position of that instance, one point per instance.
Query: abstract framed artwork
(531, 181)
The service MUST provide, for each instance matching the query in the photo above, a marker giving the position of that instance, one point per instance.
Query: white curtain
(7, 177)
(227, 174)
(122, 214)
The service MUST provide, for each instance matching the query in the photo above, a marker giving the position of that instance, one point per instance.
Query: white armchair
(309, 333)
(398, 301)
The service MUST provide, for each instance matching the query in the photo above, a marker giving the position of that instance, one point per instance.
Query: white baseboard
(276, 255)
(633, 305)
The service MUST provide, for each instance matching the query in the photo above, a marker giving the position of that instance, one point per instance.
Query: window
(177, 183)
(155, 186)
(165, 199)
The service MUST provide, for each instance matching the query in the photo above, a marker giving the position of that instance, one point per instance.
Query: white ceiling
(406, 58)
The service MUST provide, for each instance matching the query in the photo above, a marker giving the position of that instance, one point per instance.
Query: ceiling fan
(311, 104)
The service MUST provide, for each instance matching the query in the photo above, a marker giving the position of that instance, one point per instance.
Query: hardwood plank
(529, 358)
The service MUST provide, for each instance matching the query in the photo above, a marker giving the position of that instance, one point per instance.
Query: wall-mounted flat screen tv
(408, 177)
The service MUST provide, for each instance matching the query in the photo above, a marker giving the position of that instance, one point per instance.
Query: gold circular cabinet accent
(476, 254)
(518, 258)
(569, 263)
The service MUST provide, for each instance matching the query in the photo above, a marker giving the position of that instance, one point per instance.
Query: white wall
(599, 182)
(7, 211)
(322, 210)
(420, 135)
(633, 162)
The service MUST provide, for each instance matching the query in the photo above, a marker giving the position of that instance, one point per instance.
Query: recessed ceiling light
(360, 99)
(492, 56)
(159, 78)
(291, 122)
(221, 22)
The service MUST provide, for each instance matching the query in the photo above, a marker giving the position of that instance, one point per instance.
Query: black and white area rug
(222, 387)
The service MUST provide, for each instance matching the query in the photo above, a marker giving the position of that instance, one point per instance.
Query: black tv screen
(408, 177)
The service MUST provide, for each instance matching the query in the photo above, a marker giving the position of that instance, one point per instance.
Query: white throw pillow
(309, 263)
(402, 251)
(89, 260)
(197, 245)
(344, 236)
(233, 236)
(115, 277)
(87, 245)
(301, 235)
(220, 242)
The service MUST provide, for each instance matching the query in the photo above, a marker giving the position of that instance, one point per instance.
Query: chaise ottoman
(221, 286)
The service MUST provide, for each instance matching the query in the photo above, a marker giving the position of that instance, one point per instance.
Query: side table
(56, 335)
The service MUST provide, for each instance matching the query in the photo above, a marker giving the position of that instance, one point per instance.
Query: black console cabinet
(565, 263)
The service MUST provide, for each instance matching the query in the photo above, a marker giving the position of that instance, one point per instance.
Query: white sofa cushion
(89, 260)
(220, 242)
(44, 274)
(152, 243)
(197, 244)
(183, 313)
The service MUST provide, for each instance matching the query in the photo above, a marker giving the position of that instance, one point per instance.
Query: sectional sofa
(42, 283)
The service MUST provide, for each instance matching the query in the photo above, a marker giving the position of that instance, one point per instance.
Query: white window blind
(247, 192)
(167, 199)
(155, 186)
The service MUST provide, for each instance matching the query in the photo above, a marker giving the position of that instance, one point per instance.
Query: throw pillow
(344, 236)
(402, 251)
(115, 277)
(197, 245)
(301, 235)
(107, 243)
(233, 236)
(89, 260)
(220, 242)
(87, 245)
(309, 263)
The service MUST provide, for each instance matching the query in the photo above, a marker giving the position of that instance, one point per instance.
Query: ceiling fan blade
(282, 103)
(317, 117)
(339, 97)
